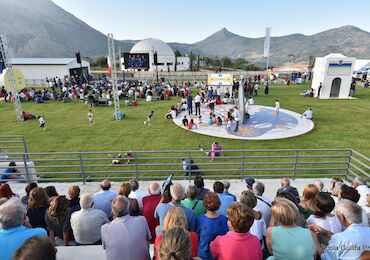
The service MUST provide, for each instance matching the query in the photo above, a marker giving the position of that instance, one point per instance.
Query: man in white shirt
(103, 198)
(136, 193)
(255, 89)
(308, 114)
(350, 243)
(263, 203)
(87, 222)
(277, 106)
(360, 185)
(236, 115)
(197, 100)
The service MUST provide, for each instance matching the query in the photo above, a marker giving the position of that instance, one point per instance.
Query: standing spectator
(360, 185)
(192, 202)
(266, 88)
(58, 218)
(238, 243)
(226, 189)
(149, 118)
(285, 187)
(263, 203)
(201, 191)
(90, 117)
(176, 244)
(210, 225)
(177, 194)
(136, 193)
(255, 89)
(126, 237)
(277, 106)
(42, 122)
(38, 204)
(175, 218)
(349, 215)
(150, 203)
(197, 100)
(310, 192)
(236, 116)
(87, 222)
(37, 247)
(29, 187)
(226, 200)
(74, 198)
(189, 101)
(13, 232)
(287, 240)
(103, 199)
(125, 190)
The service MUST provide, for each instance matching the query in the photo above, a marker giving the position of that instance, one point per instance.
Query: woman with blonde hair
(38, 204)
(287, 240)
(58, 219)
(176, 245)
(308, 201)
(125, 190)
(175, 217)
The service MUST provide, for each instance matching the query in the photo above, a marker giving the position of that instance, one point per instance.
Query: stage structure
(221, 81)
(112, 57)
(5, 59)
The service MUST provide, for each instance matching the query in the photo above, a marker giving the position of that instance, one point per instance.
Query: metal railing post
(26, 167)
(243, 166)
(188, 167)
(348, 164)
(82, 169)
(295, 165)
(136, 167)
(25, 147)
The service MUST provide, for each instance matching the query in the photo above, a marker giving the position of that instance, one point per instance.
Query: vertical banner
(266, 47)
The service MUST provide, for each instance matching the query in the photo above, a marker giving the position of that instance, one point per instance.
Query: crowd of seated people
(313, 223)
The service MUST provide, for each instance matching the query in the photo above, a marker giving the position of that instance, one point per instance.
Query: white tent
(334, 71)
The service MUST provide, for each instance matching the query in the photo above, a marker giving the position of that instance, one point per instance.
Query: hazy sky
(190, 21)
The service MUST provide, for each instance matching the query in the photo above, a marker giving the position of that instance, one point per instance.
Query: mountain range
(43, 29)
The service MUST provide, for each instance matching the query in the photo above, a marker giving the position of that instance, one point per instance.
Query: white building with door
(334, 71)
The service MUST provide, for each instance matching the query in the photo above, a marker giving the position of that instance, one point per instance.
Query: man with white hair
(150, 202)
(360, 185)
(319, 184)
(87, 222)
(13, 233)
(226, 190)
(263, 203)
(355, 239)
(126, 237)
(178, 193)
(285, 187)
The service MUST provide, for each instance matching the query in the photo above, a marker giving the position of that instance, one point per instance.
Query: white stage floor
(263, 124)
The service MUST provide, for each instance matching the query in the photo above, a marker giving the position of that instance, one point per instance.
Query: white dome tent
(165, 56)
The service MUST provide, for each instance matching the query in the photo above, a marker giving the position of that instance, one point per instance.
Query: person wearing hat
(250, 181)
(10, 173)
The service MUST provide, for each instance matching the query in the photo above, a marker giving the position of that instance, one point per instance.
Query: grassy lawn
(338, 124)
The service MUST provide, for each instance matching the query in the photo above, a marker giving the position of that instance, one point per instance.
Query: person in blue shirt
(210, 225)
(226, 191)
(226, 200)
(10, 172)
(177, 193)
(13, 233)
(103, 199)
(355, 239)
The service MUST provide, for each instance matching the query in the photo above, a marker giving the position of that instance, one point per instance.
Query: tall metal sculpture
(112, 57)
(4, 57)
(241, 100)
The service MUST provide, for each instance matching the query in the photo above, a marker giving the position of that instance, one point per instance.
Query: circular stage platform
(263, 124)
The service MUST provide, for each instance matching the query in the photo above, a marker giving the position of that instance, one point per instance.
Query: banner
(220, 79)
(266, 47)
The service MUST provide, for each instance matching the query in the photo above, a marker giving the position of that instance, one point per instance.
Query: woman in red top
(175, 217)
(191, 124)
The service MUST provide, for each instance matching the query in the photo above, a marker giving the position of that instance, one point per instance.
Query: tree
(239, 63)
(226, 62)
(177, 54)
(100, 62)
